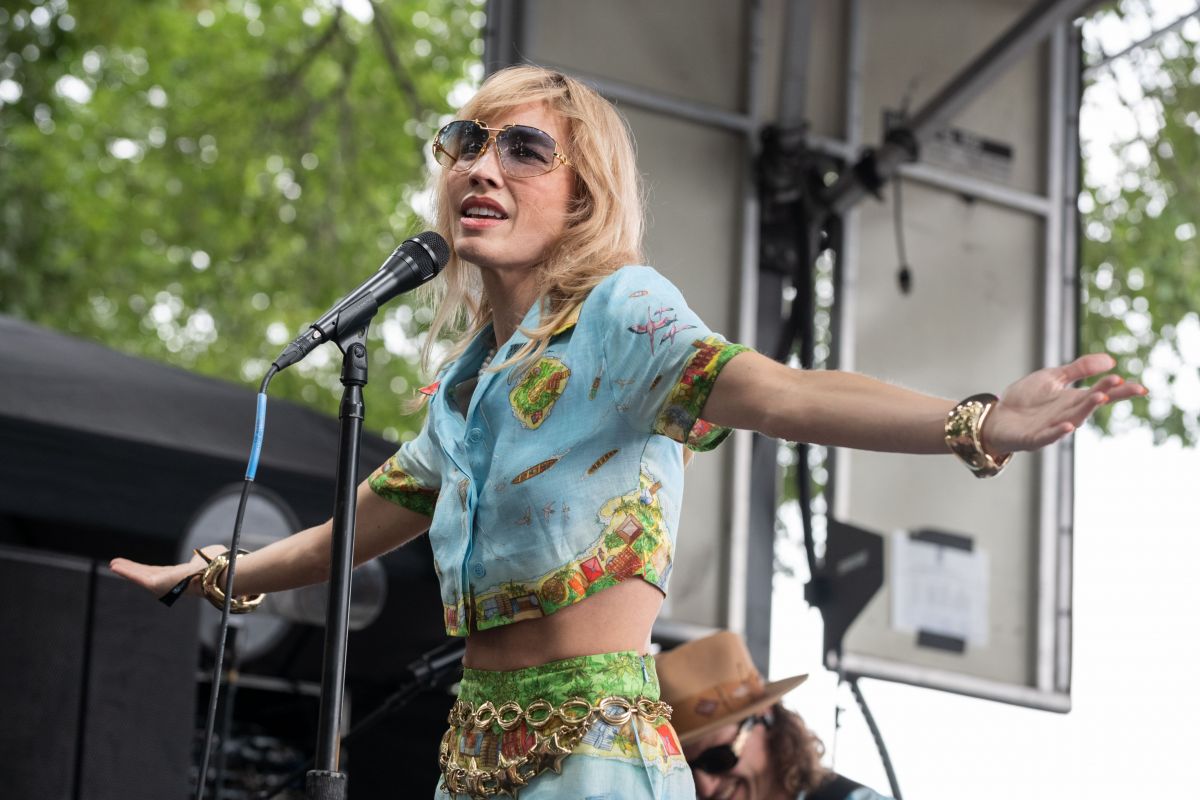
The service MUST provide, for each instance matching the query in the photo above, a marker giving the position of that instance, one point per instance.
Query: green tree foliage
(194, 181)
(1140, 207)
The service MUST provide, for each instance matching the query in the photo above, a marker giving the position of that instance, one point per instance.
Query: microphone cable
(260, 422)
(877, 735)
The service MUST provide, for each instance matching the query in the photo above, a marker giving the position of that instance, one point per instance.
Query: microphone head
(437, 249)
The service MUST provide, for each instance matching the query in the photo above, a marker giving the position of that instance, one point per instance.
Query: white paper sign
(939, 589)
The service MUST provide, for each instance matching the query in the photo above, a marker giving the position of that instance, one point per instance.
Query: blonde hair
(604, 223)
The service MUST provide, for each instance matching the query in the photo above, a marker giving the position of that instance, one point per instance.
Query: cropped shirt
(563, 476)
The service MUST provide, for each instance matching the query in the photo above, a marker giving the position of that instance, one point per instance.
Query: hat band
(717, 702)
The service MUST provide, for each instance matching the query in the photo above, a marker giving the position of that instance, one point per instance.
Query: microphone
(430, 667)
(414, 262)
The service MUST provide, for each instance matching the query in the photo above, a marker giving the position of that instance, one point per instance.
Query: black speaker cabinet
(97, 683)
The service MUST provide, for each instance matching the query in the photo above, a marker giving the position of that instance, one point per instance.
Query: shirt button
(475, 436)
(477, 570)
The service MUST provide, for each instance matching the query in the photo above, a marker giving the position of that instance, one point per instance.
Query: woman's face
(505, 223)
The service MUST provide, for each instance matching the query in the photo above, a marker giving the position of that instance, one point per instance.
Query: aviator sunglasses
(721, 758)
(524, 151)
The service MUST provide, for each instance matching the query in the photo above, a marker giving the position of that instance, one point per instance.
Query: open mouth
(482, 209)
(483, 213)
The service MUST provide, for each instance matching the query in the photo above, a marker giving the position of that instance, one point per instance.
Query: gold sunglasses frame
(493, 133)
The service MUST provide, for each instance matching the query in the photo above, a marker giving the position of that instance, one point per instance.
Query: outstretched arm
(849, 410)
(298, 560)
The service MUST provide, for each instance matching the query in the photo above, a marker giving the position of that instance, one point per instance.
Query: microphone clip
(343, 327)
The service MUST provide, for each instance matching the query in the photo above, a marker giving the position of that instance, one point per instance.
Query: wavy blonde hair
(605, 217)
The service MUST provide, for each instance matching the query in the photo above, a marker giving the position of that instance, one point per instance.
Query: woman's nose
(487, 168)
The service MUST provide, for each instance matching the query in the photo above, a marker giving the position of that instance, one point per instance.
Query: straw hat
(712, 682)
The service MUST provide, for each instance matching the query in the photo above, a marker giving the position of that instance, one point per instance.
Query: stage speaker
(141, 694)
(43, 628)
(98, 684)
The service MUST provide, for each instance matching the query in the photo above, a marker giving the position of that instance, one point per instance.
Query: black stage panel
(98, 683)
(137, 732)
(43, 628)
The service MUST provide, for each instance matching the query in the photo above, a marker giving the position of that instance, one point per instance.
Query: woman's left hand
(1043, 407)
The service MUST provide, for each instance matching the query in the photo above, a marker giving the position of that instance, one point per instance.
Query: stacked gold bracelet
(209, 578)
(964, 426)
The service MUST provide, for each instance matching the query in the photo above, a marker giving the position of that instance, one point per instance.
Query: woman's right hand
(160, 579)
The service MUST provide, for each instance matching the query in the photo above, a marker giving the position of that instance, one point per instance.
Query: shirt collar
(472, 358)
(569, 322)
(533, 318)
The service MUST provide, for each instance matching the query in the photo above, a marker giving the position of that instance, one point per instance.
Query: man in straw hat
(737, 736)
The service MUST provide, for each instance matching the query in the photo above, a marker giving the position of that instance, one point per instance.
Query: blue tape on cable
(260, 424)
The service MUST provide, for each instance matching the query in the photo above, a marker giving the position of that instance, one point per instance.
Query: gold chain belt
(556, 732)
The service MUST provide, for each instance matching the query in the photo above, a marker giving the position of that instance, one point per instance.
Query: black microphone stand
(427, 671)
(325, 782)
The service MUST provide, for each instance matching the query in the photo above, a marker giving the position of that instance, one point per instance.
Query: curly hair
(795, 752)
(604, 223)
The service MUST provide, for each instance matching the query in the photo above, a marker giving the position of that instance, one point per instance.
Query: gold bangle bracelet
(964, 426)
(212, 591)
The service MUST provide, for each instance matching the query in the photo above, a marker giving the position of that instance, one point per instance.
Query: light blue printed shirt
(564, 476)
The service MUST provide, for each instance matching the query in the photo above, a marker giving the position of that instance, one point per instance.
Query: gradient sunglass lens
(524, 151)
(461, 139)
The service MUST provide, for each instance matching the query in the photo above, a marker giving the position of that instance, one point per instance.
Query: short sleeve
(661, 360)
(411, 477)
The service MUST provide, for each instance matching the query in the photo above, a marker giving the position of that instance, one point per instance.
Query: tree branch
(286, 82)
(406, 86)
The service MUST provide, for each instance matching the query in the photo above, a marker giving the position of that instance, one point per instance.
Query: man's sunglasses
(724, 757)
(524, 151)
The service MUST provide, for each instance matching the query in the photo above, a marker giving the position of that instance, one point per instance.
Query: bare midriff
(615, 619)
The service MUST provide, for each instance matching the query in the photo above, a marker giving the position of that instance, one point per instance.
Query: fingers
(1084, 402)
(154, 578)
(1117, 388)
(1052, 435)
(1112, 388)
(1126, 391)
(133, 571)
(1074, 411)
(1061, 430)
(1109, 389)
(1087, 366)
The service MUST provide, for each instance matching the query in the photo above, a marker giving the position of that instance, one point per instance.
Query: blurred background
(943, 195)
